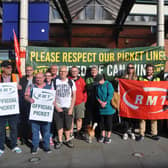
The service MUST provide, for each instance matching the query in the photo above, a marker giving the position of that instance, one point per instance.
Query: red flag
(17, 53)
(143, 99)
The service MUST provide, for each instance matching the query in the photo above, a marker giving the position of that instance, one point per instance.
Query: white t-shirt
(64, 93)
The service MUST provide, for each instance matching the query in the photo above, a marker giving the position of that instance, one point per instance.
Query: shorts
(63, 119)
(79, 111)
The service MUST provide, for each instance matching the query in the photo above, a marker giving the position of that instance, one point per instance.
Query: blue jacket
(105, 94)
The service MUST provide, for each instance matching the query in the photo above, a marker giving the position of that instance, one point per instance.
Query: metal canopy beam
(57, 5)
(65, 9)
(122, 15)
(124, 11)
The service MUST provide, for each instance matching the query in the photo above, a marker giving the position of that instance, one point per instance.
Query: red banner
(17, 53)
(143, 99)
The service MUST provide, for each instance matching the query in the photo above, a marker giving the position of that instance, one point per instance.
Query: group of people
(77, 101)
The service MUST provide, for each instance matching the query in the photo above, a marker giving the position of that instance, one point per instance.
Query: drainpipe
(23, 30)
(160, 23)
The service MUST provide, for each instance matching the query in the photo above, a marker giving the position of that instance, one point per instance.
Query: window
(94, 11)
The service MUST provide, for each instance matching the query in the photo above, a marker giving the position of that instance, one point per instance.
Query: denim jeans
(44, 127)
(12, 120)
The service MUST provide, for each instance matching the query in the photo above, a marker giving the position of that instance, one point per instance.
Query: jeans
(12, 120)
(44, 127)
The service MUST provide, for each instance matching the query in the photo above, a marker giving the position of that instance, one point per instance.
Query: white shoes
(17, 150)
(125, 136)
(1, 152)
(132, 135)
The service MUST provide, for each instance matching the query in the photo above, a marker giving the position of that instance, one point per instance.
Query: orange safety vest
(15, 77)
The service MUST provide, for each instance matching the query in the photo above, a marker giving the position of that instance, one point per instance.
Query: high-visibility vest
(14, 77)
(145, 79)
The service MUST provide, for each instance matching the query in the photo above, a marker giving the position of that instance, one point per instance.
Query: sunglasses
(130, 67)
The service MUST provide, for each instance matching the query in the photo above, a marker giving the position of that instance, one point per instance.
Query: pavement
(129, 153)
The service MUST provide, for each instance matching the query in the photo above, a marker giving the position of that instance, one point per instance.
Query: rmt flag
(143, 99)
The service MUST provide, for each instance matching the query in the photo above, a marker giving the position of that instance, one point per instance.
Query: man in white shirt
(65, 100)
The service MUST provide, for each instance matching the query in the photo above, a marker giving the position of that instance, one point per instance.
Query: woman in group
(105, 92)
(129, 124)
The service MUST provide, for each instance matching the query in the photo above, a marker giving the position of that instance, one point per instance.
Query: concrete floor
(117, 154)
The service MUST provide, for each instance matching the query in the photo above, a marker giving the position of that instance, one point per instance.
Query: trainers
(140, 138)
(69, 144)
(1, 152)
(155, 137)
(58, 145)
(17, 150)
(48, 150)
(125, 136)
(71, 136)
(133, 136)
(107, 140)
(51, 142)
(79, 135)
(101, 139)
(34, 151)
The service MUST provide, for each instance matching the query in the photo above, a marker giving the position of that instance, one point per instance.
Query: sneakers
(51, 141)
(17, 150)
(1, 152)
(101, 139)
(133, 136)
(155, 137)
(71, 136)
(79, 135)
(69, 144)
(58, 145)
(34, 151)
(107, 140)
(48, 150)
(140, 138)
(125, 136)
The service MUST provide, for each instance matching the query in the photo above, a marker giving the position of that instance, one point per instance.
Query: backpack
(115, 99)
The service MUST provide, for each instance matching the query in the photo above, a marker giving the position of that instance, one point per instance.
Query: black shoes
(58, 145)
(48, 150)
(69, 144)
(155, 137)
(140, 138)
